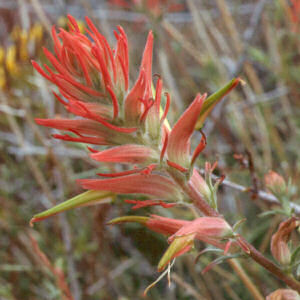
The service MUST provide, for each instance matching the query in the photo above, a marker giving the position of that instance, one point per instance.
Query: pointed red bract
(199, 184)
(87, 130)
(152, 184)
(180, 137)
(142, 87)
(163, 225)
(133, 154)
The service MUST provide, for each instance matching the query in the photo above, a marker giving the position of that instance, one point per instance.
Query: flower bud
(179, 246)
(279, 243)
(275, 183)
(283, 294)
(200, 185)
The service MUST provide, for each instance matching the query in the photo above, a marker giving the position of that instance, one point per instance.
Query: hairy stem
(202, 205)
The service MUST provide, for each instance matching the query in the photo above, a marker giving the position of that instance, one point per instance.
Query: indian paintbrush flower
(93, 81)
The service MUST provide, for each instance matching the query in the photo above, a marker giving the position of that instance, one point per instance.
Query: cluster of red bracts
(93, 80)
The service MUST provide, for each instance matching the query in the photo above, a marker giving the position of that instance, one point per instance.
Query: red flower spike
(132, 154)
(153, 184)
(180, 137)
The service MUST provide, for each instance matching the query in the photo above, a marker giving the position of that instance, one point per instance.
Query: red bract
(132, 154)
(86, 131)
(179, 143)
(152, 184)
(93, 78)
(199, 184)
(142, 88)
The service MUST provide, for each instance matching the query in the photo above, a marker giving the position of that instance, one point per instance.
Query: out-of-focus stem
(190, 289)
(246, 280)
(185, 44)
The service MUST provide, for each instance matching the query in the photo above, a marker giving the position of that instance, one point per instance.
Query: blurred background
(199, 46)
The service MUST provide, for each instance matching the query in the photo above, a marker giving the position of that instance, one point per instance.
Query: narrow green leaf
(272, 212)
(295, 255)
(87, 198)
(220, 260)
(215, 98)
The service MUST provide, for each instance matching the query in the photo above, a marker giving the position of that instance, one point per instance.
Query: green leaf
(220, 260)
(295, 255)
(215, 98)
(87, 198)
(238, 224)
(272, 212)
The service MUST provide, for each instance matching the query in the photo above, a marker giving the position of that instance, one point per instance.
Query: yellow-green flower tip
(125, 219)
